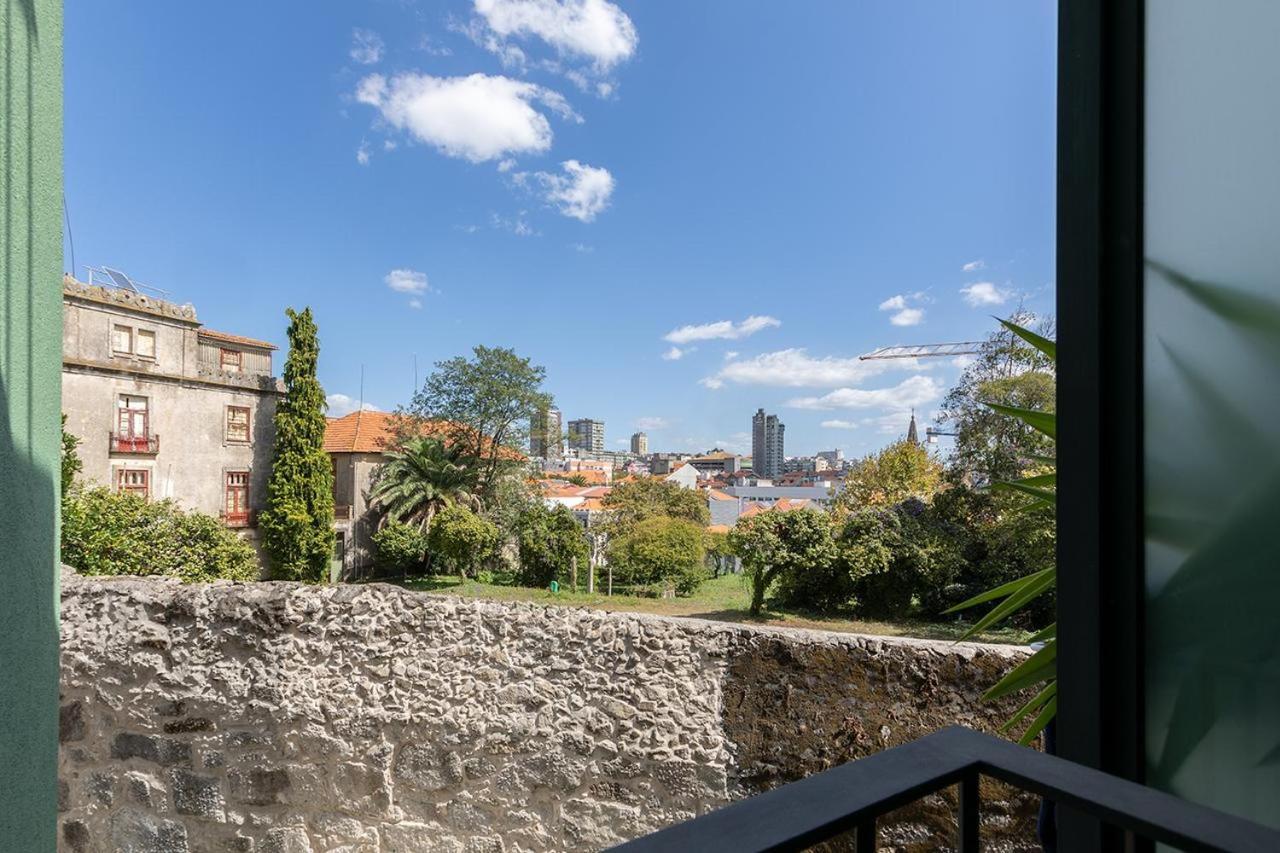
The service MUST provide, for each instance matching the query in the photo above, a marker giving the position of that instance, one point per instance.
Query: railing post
(864, 836)
(969, 804)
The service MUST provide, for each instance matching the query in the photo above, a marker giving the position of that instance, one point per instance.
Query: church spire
(912, 435)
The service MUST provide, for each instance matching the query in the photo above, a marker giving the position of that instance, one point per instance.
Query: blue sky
(684, 211)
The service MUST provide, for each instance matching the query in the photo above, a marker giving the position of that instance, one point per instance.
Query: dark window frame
(1100, 452)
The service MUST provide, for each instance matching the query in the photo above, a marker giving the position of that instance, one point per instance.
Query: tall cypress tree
(297, 524)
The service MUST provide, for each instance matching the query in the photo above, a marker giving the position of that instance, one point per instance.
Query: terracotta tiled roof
(227, 337)
(717, 495)
(372, 432)
(359, 432)
(593, 504)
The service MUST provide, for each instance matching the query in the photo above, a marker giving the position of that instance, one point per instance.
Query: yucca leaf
(1237, 307)
(1014, 602)
(1040, 480)
(1045, 633)
(998, 592)
(1044, 460)
(1045, 422)
(1033, 670)
(1046, 495)
(1050, 690)
(1042, 719)
(1041, 343)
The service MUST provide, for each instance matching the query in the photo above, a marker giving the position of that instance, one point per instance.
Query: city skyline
(714, 234)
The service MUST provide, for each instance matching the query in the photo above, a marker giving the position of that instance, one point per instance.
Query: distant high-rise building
(767, 455)
(544, 434)
(586, 434)
(639, 443)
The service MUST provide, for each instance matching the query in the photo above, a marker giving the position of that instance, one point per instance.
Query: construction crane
(923, 351)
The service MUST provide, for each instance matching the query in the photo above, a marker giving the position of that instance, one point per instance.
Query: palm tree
(421, 477)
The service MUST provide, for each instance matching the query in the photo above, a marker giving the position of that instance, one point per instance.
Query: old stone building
(164, 407)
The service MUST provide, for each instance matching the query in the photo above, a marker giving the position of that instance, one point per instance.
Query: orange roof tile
(593, 504)
(372, 432)
(227, 337)
(717, 495)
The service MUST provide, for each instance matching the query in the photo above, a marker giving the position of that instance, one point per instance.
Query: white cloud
(731, 355)
(712, 382)
(415, 302)
(908, 317)
(905, 315)
(582, 248)
(592, 29)
(477, 118)
(795, 368)
(407, 281)
(913, 391)
(963, 361)
(839, 424)
(984, 293)
(341, 404)
(506, 165)
(651, 423)
(362, 154)
(725, 329)
(581, 193)
(518, 226)
(974, 266)
(366, 46)
(673, 354)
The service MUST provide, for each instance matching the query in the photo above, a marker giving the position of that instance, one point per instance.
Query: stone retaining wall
(281, 718)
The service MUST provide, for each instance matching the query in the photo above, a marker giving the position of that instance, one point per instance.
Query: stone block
(71, 725)
(196, 795)
(137, 832)
(259, 786)
(158, 750)
(75, 835)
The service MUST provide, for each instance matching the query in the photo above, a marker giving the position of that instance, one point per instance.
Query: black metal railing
(854, 795)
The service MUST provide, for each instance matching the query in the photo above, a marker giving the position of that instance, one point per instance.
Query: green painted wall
(30, 379)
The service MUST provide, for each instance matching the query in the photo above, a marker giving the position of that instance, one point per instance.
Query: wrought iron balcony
(854, 795)
(142, 444)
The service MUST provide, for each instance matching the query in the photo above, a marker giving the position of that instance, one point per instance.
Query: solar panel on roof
(120, 279)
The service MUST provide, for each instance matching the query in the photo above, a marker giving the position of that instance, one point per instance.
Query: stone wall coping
(152, 586)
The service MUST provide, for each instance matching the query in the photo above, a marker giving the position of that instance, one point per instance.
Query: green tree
(71, 464)
(658, 553)
(105, 533)
(484, 404)
(649, 497)
(399, 548)
(774, 543)
(1009, 372)
(297, 523)
(461, 539)
(420, 477)
(550, 540)
(900, 471)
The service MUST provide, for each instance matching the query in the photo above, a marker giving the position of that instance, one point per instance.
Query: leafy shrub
(399, 548)
(460, 540)
(105, 533)
(793, 549)
(550, 540)
(660, 552)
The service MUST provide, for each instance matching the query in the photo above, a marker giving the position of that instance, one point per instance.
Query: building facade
(163, 407)
(586, 434)
(639, 443)
(544, 434)
(767, 444)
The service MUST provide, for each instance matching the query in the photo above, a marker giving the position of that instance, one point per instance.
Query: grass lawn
(724, 599)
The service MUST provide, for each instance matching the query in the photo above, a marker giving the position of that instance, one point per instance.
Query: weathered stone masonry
(368, 719)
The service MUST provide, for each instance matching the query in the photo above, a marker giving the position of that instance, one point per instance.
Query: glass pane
(1211, 410)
